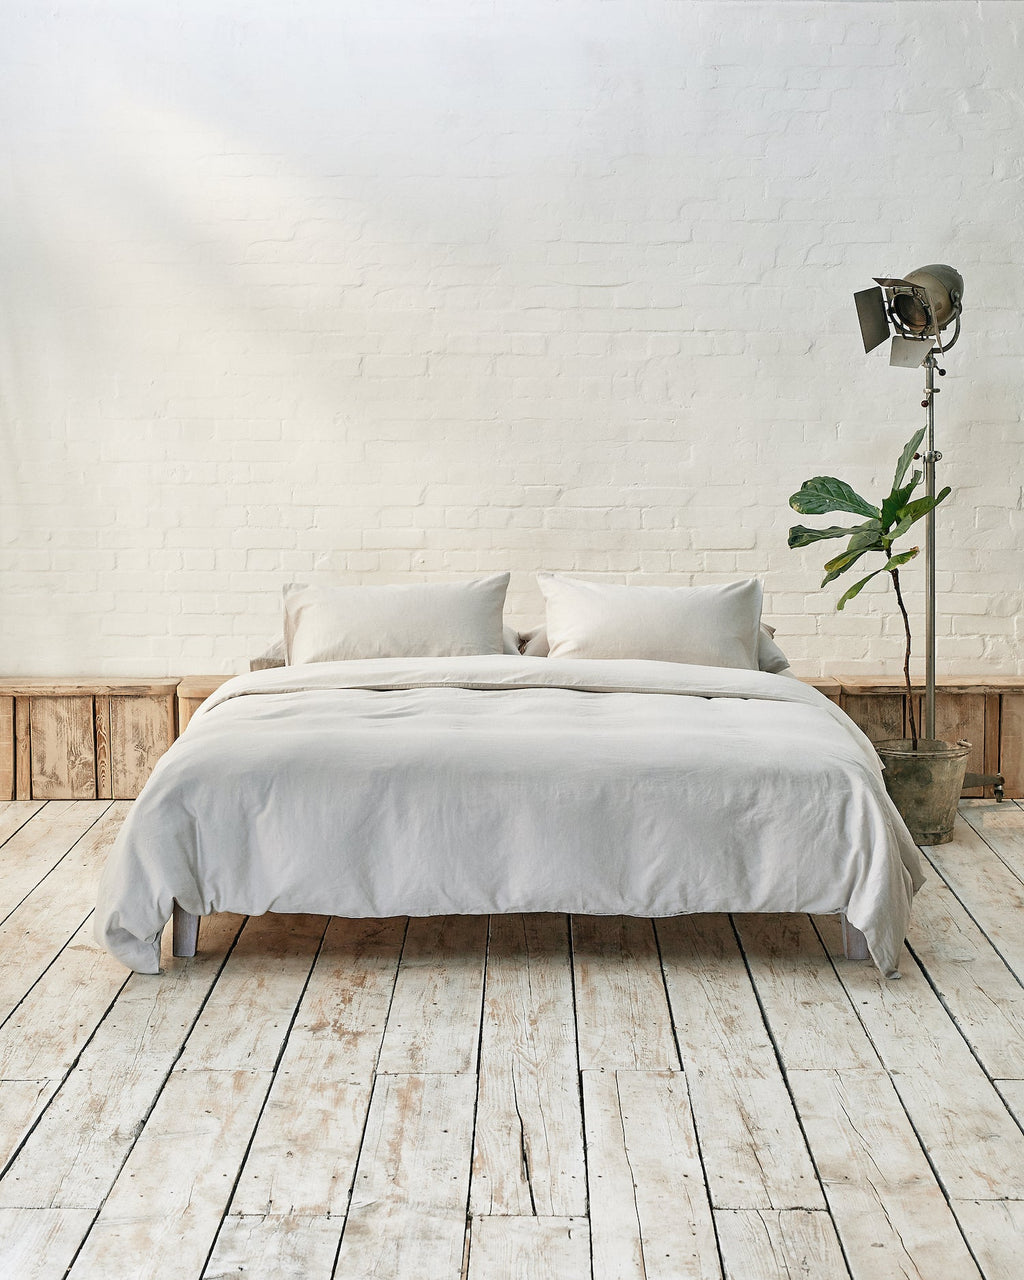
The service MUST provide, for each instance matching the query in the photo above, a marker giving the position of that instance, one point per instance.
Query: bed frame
(185, 936)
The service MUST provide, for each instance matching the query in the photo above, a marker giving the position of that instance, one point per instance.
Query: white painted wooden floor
(514, 1099)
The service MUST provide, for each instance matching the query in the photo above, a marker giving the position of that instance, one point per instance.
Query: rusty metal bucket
(925, 784)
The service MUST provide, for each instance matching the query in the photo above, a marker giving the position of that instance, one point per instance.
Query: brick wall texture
(354, 291)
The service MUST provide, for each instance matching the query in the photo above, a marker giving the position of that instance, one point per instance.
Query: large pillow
(414, 620)
(709, 626)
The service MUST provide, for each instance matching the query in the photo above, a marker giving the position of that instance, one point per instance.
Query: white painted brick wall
(359, 291)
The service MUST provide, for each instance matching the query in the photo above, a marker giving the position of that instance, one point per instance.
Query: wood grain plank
(267, 971)
(38, 1244)
(649, 1211)
(994, 1229)
(63, 749)
(36, 847)
(755, 1156)
(434, 1023)
(304, 1153)
(509, 1248)
(275, 1246)
(22, 748)
(812, 1021)
(878, 715)
(37, 929)
(999, 825)
(101, 712)
(6, 749)
(891, 1215)
(153, 1226)
(1012, 1093)
(960, 716)
(779, 1244)
(976, 1149)
(13, 816)
(528, 1157)
(1011, 742)
(981, 994)
(73, 1155)
(622, 1015)
(987, 887)
(141, 730)
(407, 1217)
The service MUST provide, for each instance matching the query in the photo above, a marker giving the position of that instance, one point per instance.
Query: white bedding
(495, 784)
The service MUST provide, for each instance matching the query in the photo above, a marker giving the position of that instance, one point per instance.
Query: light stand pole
(929, 458)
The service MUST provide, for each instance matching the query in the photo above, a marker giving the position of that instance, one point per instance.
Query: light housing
(919, 306)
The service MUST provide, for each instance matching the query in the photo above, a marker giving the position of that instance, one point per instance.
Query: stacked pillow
(717, 626)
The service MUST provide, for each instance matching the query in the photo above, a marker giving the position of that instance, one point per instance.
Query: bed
(495, 782)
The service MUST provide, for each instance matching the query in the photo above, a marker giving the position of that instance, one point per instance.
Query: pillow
(769, 656)
(709, 626)
(534, 644)
(274, 655)
(420, 619)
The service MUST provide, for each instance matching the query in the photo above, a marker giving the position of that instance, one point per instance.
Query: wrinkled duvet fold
(432, 786)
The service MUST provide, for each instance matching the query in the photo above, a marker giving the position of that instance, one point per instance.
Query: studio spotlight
(919, 307)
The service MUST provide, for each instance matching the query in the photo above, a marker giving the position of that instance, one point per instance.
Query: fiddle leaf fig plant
(879, 529)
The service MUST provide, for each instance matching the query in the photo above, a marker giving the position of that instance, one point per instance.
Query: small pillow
(415, 620)
(708, 626)
(769, 656)
(534, 644)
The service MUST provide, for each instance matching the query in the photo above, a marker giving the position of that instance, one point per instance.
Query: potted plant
(923, 776)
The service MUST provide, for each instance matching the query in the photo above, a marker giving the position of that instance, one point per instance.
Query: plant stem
(906, 658)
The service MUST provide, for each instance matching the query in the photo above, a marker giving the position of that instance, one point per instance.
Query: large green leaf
(909, 449)
(801, 536)
(913, 512)
(893, 505)
(826, 493)
(888, 567)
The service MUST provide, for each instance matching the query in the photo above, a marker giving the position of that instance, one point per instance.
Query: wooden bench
(83, 738)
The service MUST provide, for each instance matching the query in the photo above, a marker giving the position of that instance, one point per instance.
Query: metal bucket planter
(925, 784)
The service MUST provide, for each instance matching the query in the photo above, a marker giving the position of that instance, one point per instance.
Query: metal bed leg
(184, 932)
(855, 945)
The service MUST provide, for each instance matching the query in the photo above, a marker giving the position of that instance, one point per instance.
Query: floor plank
(649, 1210)
(779, 1244)
(1001, 829)
(995, 1231)
(511, 1248)
(434, 1023)
(976, 1148)
(529, 1126)
(35, 931)
(988, 889)
(275, 1246)
(891, 1215)
(303, 1155)
(622, 1015)
(39, 845)
(407, 1217)
(160, 1225)
(14, 814)
(754, 1153)
(983, 996)
(812, 1022)
(75, 1152)
(39, 1244)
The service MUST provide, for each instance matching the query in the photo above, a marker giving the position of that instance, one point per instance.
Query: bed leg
(855, 945)
(184, 932)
